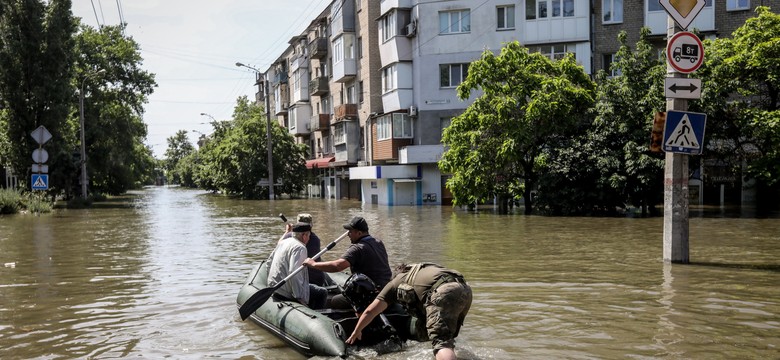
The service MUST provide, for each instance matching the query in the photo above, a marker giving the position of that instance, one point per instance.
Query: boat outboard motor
(360, 291)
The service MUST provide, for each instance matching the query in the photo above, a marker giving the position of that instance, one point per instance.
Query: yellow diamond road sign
(683, 11)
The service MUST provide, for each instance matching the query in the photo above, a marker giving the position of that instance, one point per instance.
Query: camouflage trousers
(445, 311)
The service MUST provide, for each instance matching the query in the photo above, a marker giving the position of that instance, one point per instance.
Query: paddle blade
(255, 302)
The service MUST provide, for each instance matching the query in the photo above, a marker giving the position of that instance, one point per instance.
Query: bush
(10, 201)
(37, 202)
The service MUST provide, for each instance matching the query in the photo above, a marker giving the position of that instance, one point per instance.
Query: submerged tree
(115, 90)
(528, 104)
(179, 148)
(741, 89)
(36, 67)
(234, 159)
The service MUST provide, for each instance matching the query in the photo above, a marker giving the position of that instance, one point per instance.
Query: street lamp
(267, 132)
(81, 123)
(209, 115)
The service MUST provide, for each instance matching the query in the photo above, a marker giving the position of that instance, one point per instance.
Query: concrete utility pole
(675, 185)
(269, 139)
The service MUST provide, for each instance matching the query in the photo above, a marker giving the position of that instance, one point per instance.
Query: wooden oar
(261, 296)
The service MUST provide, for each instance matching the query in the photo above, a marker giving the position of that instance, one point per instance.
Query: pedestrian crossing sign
(684, 132)
(40, 181)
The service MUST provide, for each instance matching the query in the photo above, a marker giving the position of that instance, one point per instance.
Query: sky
(192, 46)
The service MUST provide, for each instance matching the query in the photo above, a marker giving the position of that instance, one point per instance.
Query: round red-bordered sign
(685, 52)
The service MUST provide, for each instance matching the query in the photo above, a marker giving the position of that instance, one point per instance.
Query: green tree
(529, 102)
(36, 67)
(620, 135)
(235, 158)
(741, 96)
(115, 90)
(179, 147)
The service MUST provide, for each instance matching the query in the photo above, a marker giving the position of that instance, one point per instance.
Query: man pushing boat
(439, 295)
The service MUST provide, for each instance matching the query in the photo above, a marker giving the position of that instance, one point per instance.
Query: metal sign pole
(675, 185)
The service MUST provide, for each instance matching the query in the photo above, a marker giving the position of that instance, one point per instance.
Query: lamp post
(267, 133)
(81, 135)
(209, 116)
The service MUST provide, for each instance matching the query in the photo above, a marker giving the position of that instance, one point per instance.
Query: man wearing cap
(286, 258)
(366, 255)
(316, 277)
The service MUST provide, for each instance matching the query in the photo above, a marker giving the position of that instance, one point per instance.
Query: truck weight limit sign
(685, 52)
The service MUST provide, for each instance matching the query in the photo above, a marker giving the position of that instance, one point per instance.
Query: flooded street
(155, 275)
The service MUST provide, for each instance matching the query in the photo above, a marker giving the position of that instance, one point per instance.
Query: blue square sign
(40, 181)
(684, 132)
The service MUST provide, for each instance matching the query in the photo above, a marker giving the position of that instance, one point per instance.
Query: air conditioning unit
(362, 163)
(285, 105)
(411, 29)
(412, 110)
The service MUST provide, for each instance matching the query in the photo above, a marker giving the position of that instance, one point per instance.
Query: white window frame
(455, 21)
(613, 8)
(384, 127)
(292, 120)
(388, 79)
(351, 95)
(338, 50)
(340, 133)
(737, 5)
(607, 63)
(388, 26)
(461, 69)
(402, 126)
(505, 14)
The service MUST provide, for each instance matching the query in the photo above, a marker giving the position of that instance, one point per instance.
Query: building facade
(369, 86)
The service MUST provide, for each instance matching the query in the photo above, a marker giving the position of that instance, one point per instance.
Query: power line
(97, 20)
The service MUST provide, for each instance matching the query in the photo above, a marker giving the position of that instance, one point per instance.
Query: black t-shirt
(368, 256)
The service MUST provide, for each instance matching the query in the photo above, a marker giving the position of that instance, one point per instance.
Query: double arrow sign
(682, 88)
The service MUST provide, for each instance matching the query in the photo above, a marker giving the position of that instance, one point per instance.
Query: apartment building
(370, 85)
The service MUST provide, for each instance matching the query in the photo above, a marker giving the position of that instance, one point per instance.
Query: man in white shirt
(286, 258)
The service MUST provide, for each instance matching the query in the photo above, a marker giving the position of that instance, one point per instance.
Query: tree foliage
(115, 91)
(528, 104)
(611, 166)
(741, 95)
(179, 148)
(234, 157)
(36, 47)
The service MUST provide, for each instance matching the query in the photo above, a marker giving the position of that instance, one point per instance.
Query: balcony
(345, 112)
(280, 77)
(318, 48)
(320, 122)
(319, 86)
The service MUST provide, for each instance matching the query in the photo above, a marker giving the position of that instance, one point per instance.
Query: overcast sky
(192, 47)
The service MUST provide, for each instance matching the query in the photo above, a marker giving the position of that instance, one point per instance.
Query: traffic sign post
(685, 52)
(40, 181)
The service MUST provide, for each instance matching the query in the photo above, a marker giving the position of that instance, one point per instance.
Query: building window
(388, 26)
(454, 22)
(505, 17)
(338, 50)
(612, 11)
(388, 78)
(732, 5)
(558, 51)
(656, 5)
(360, 47)
(384, 127)
(530, 9)
(339, 133)
(402, 126)
(451, 75)
(360, 91)
(609, 59)
(351, 95)
(293, 119)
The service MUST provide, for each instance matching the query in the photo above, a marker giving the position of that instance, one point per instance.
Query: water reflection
(155, 275)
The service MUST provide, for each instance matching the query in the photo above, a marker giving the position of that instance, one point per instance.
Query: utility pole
(269, 139)
(81, 130)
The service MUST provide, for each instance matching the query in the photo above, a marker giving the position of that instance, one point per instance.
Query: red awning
(319, 163)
